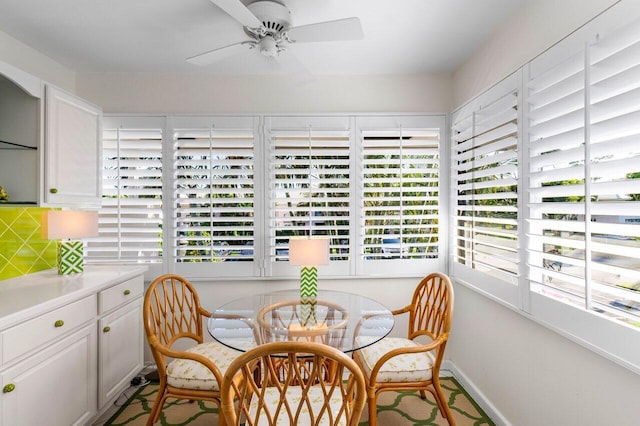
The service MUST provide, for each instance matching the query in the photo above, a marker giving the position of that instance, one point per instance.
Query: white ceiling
(400, 36)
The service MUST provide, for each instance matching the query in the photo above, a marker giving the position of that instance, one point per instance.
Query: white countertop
(24, 296)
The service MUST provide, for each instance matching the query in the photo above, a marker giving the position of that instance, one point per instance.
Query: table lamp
(308, 252)
(69, 226)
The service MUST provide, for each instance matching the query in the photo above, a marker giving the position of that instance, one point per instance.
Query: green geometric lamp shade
(70, 257)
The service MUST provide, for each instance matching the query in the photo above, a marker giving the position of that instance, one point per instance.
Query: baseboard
(448, 369)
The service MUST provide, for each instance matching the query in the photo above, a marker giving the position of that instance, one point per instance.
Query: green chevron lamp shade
(69, 226)
(308, 252)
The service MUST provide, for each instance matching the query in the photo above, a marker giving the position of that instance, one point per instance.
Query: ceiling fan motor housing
(274, 16)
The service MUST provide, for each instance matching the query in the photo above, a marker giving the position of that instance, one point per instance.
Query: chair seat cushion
(189, 374)
(293, 395)
(402, 368)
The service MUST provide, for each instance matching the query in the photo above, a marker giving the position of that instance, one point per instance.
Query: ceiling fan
(267, 24)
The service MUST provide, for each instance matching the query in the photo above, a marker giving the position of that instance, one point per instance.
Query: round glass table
(345, 321)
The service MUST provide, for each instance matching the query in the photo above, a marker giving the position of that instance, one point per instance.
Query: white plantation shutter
(585, 176)
(309, 185)
(400, 189)
(214, 194)
(130, 220)
(399, 192)
(485, 179)
(556, 104)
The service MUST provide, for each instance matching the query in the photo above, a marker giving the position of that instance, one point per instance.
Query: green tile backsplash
(22, 250)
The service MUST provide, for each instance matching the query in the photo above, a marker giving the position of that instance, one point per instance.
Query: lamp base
(308, 294)
(308, 282)
(70, 257)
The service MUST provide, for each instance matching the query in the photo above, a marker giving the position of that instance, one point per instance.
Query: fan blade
(217, 54)
(342, 29)
(239, 12)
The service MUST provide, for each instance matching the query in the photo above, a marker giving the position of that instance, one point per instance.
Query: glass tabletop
(346, 321)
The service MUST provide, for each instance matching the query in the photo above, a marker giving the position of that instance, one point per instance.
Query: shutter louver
(130, 220)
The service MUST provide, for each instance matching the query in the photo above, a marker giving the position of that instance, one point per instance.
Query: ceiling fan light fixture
(269, 47)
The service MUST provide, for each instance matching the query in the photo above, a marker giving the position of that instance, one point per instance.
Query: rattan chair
(412, 363)
(172, 318)
(293, 383)
(285, 321)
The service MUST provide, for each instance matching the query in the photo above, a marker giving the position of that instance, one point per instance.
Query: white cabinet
(50, 141)
(120, 339)
(55, 386)
(69, 345)
(48, 373)
(72, 172)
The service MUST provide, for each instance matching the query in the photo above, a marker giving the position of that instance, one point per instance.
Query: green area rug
(394, 409)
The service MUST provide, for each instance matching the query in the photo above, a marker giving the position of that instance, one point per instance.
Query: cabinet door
(120, 345)
(72, 172)
(54, 387)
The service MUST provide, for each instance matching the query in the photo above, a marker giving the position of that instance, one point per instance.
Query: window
(485, 145)
(546, 177)
(309, 184)
(130, 220)
(485, 173)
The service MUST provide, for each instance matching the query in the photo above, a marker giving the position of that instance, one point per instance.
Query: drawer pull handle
(8, 388)
(127, 292)
(106, 329)
(53, 190)
(58, 323)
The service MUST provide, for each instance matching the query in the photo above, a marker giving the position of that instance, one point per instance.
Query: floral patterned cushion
(402, 368)
(294, 397)
(188, 374)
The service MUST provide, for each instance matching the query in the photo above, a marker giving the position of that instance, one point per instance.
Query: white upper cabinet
(49, 144)
(72, 172)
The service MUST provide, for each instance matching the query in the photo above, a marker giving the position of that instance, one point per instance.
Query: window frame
(261, 267)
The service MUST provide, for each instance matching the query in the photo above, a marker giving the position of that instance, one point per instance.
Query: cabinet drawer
(120, 294)
(52, 326)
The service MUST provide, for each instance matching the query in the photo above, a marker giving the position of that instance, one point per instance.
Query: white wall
(33, 62)
(528, 374)
(534, 28)
(533, 376)
(211, 94)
